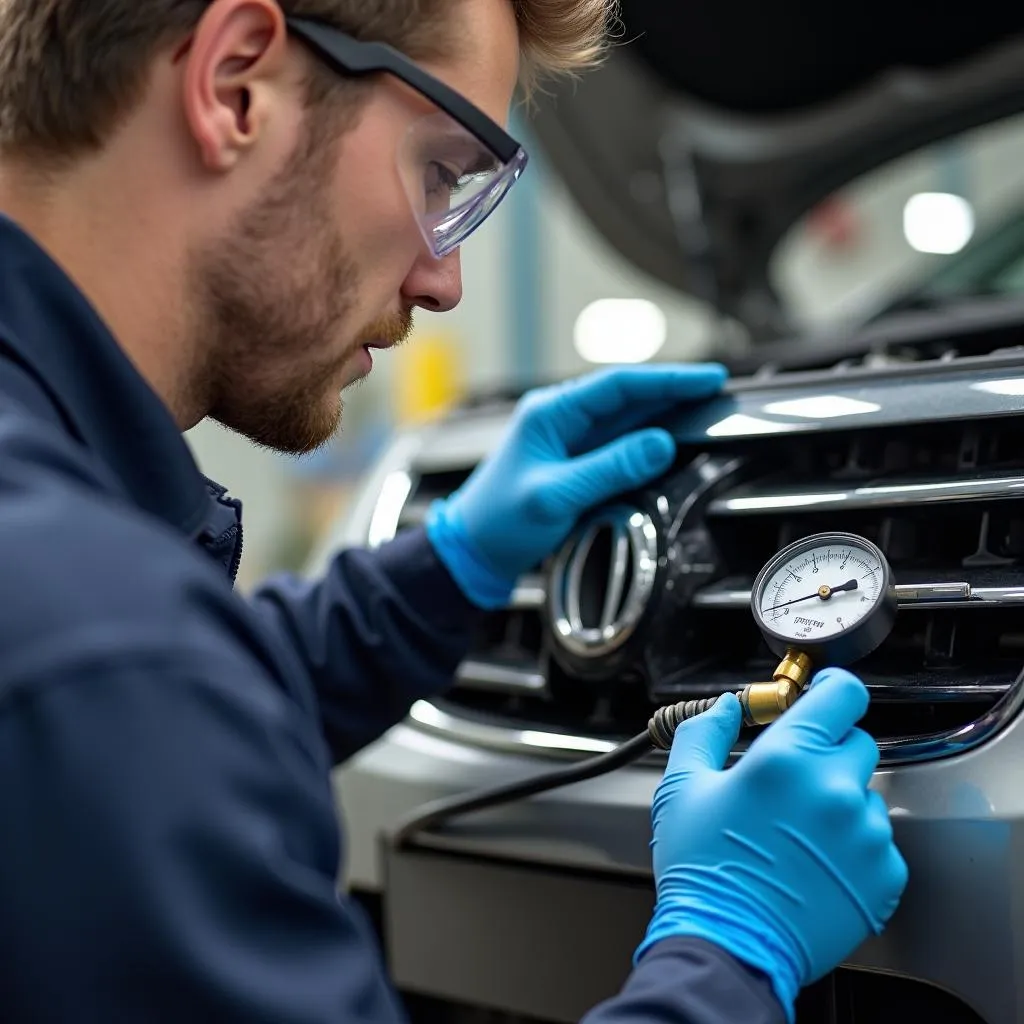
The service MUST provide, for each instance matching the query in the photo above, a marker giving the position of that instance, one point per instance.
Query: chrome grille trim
(925, 596)
(491, 675)
(429, 718)
(530, 592)
(881, 496)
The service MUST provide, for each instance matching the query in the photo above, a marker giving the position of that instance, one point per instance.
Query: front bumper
(959, 822)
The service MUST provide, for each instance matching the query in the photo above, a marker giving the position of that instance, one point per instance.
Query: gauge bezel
(857, 640)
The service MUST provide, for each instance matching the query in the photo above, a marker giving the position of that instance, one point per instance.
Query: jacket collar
(49, 327)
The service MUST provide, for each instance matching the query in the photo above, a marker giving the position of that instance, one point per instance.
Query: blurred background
(547, 296)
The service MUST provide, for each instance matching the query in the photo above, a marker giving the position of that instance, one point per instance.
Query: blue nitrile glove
(568, 448)
(786, 860)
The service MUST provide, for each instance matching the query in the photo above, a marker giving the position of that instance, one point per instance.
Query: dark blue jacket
(168, 840)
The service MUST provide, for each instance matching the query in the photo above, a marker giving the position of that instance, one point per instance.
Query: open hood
(716, 124)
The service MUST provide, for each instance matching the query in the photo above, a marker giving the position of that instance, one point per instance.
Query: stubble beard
(271, 297)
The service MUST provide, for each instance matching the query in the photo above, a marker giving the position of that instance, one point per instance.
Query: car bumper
(959, 822)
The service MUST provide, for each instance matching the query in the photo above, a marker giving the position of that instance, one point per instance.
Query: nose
(434, 285)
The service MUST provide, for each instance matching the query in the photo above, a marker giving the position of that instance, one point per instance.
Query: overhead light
(620, 331)
(938, 222)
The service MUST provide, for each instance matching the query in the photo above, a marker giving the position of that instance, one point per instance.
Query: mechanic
(207, 212)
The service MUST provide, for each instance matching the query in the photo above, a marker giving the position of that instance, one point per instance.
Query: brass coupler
(761, 702)
(764, 702)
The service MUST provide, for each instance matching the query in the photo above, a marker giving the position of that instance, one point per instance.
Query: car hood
(714, 126)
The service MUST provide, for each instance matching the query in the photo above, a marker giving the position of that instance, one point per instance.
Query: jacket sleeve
(173, 850)
(382, 629)
(689, 981)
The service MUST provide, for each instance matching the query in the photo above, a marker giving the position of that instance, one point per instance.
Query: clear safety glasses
(456, 165)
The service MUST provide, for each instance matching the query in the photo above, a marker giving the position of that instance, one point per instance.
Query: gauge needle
(823, 592)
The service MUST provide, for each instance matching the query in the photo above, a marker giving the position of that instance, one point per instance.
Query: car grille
(942, 502)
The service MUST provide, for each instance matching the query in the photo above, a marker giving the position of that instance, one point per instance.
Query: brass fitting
(761, 702)
(764, 702)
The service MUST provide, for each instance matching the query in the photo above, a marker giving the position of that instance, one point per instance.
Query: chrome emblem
(602, 580)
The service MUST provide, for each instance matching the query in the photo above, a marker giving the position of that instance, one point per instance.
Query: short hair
(71, 70)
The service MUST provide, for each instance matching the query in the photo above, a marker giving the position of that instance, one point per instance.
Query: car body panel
(959, 823)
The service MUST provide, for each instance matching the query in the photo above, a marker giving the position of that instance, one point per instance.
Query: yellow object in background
(428, 378)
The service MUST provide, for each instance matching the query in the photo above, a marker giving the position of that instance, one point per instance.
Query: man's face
(328, 263)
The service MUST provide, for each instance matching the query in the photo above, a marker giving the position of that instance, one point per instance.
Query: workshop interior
(831, 203)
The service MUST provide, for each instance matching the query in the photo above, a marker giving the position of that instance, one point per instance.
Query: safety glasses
(456, 165)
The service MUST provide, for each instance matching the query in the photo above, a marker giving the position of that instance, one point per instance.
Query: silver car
(906, 432)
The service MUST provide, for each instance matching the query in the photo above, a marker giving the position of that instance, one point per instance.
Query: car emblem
(602, 580)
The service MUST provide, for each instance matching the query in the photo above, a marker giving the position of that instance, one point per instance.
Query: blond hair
(70, 70)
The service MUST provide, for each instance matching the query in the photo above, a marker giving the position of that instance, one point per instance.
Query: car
(905, 430)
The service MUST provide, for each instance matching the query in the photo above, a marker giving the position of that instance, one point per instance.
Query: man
(217, 208)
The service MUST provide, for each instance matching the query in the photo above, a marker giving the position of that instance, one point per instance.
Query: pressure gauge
(830, 596)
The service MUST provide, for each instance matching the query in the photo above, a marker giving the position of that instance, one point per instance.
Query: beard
(269, 298)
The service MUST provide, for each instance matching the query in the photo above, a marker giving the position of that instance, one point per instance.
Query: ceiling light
(938, 222)
(620, 331)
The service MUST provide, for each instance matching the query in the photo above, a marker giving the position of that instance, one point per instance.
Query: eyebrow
(486, 160)
(487, 163)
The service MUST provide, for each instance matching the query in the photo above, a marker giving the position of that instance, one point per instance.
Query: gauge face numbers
(821, 590)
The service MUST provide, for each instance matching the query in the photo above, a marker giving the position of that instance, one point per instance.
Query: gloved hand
(568, 448)
(786, 860)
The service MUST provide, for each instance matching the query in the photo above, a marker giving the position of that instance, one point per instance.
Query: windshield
(945, 223)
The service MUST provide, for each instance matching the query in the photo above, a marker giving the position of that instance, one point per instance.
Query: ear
(234, 63)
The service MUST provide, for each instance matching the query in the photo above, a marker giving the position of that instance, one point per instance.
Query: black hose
(658, 735)
(663, 724)
(451, 807)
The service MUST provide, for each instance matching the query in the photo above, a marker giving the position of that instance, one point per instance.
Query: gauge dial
(830, 595)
